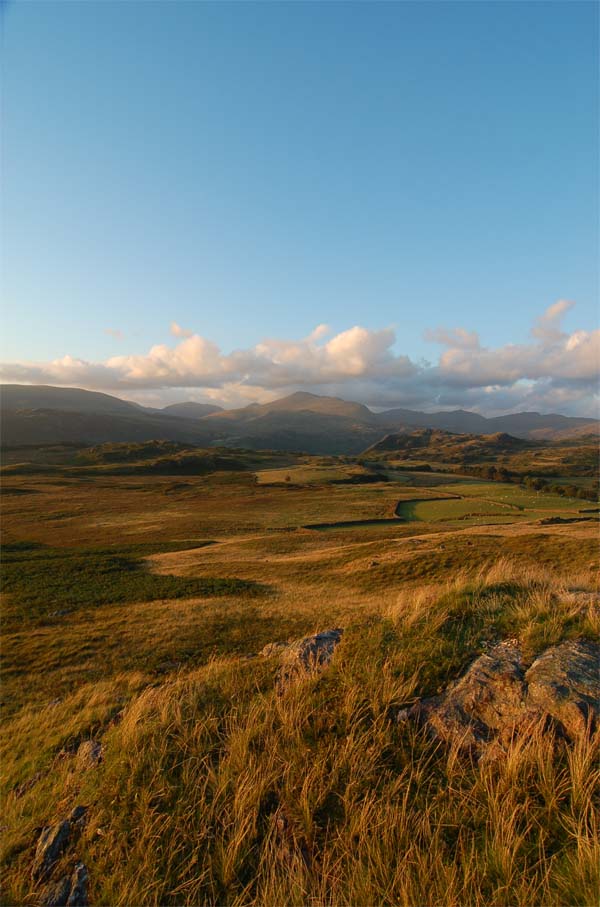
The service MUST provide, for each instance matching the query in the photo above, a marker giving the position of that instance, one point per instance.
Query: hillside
(447, 446)
(191, 410)
(301, 421)
(53, 415)
(15, 397)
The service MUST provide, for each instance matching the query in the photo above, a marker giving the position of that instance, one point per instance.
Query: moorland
(141, 582)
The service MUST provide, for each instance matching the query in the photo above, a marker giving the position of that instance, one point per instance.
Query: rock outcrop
(70, 891)
(564, 683)
(51, 844)
(53, 841)
(89, 754)
(306, 656)
(499, 695)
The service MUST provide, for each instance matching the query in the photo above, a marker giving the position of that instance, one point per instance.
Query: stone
(69, 891)
(499, 696)
(78, 815)
(564, 683)
(488, 698)
(79, 882)
(89, 754)
(51, 843)
(310, 655)
(58, 894)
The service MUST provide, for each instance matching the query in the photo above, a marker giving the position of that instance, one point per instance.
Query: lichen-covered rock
(51, 843)
(57, 895)
(89, 754)
(490, 696)
(79, 882)
(499, 696)
(69, 891)
(564, 683)
(310, 655)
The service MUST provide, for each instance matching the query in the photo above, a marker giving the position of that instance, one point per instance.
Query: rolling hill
(446, 446)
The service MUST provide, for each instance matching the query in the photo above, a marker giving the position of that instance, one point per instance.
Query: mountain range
(40, 414)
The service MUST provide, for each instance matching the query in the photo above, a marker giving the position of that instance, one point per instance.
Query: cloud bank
(552, 371)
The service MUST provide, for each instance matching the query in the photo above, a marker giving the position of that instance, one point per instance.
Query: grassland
(316, 473)
(134, 607)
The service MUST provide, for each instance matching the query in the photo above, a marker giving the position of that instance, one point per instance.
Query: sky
(395, 203)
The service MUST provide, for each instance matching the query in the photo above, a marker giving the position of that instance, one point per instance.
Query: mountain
(190, 410)
(301, 402)
(40, 414)
(521, 425)
(530, 424)
(458, 420)
(66, 399)
(301, 421)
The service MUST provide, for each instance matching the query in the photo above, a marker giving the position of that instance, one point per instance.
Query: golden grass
(216, 791)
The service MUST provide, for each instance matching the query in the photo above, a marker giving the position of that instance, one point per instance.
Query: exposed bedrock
(500, 695)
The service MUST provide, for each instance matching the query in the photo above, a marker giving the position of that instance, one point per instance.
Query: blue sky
(252, 170)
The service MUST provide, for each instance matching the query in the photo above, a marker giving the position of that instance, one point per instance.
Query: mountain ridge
(314, 423)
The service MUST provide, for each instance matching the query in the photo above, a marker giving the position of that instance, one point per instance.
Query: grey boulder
(304, 657)
(52, 842)
(499, 695)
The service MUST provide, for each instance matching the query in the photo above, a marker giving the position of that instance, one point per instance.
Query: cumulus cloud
(553, 370)
(456, 338)
(178, 331)
(319, 332)
(547, 327)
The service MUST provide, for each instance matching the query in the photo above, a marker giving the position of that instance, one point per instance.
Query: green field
(310, 474)
(516, 496)
(453, 509)
(489, 502)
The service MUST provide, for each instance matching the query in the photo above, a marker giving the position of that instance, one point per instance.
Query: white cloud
(553, 370)
(178, 331)
(319, 332)
(547, 327)
(457, 338)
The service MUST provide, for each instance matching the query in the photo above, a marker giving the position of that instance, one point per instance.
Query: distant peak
(300, 395)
